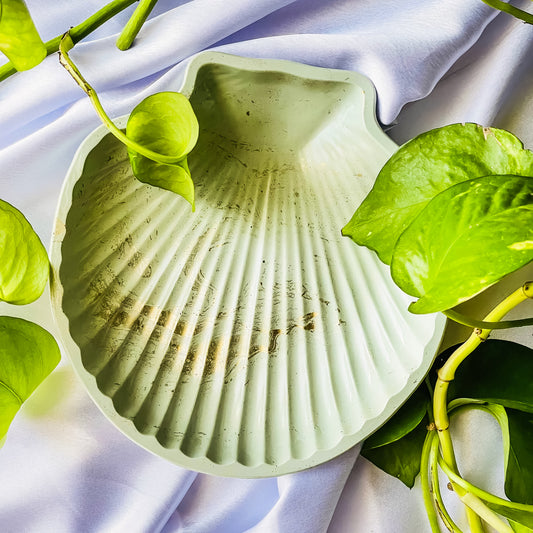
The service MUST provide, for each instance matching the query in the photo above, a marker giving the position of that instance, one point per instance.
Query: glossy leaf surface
(496, 371)
(19, 39)
(466, 239)
(426, 166)
(400, 458)
(24, 265)
(28, 354)
(165, 123)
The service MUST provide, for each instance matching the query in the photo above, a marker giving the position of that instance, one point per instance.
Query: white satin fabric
(65, 468)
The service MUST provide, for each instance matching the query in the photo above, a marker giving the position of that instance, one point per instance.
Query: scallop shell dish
(247, 338)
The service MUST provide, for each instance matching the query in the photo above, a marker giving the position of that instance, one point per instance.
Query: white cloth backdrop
(64, 468)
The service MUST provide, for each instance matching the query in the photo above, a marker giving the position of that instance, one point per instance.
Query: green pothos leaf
(165, 123)
(24, 265)
(464, 240)
(426, 166)
(401, 458)
(497, 371)
(19, 39)
(28, 354)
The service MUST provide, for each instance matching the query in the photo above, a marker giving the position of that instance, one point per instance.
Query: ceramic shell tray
(248, 338)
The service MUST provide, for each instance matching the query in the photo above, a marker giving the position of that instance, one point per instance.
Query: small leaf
(19, 39)
(465, 239)
(407, 418)
(497, 371)
(401, 458)
(24, 265)
(165, 123)
(28, 354)
(426, 166)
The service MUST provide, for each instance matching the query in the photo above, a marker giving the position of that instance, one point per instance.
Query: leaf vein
(12, 392)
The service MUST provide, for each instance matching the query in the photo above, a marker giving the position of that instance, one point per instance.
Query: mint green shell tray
(248, 338)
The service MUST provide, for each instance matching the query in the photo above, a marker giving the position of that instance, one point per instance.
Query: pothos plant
(451, 212)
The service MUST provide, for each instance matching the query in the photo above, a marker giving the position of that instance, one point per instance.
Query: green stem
(482, 494)
(65, 45)
(511, 10)
(433, 461)
(481, 324)
(134, 24)
(424, 479)
(77, 33)
(462, 404)
(472, 498)
(447, 374)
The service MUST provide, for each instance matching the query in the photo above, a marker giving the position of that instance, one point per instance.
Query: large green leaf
(165, 123)
(401, 458)
(19, 39)
(28, 354)
(24, 265)
(426, 166)
(496, 371)
(407, 418)
(465, 239)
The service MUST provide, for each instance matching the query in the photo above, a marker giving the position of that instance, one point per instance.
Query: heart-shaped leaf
(465, 239)
(24, 265)
(28, 353)
(19, 39)
(426, 166)
(165, 123)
